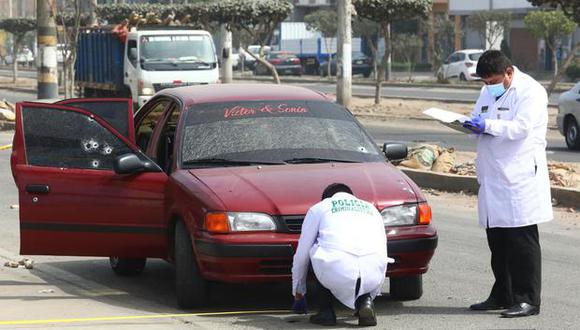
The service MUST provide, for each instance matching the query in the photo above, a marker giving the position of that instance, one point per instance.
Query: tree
(18, 27)
(406, 46)
(258, 18)
(384, 12)
(70, 20)
(323, 21)
(491, 25)
(444, 34)
(369, 30)
(551, 26)
(571, 9)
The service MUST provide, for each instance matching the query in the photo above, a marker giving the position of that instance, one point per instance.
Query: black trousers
(324, 297)
(516, 261)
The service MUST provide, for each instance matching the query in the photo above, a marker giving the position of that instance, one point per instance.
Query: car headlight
(400, 215)
(407, 214)
(238, 222)
(145, 88)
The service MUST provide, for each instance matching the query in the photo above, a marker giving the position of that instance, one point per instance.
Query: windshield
(274, 132)
(475, 56)
(177, 52)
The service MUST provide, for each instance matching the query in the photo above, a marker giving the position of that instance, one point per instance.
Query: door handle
(37, 188)
(126, 74)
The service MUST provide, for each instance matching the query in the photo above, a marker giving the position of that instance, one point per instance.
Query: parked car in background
(285, 63)
(216, 179)
(461, 65)
(249, 61)
(569, 117)
(361, 64)
(235, 59)
(24, 57)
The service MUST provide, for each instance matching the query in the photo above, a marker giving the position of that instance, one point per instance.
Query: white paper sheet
(448, 118)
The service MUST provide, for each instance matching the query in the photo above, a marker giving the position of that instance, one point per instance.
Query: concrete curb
(567, 197)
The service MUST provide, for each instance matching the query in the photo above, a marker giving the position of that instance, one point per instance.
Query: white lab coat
(511, 159)
(343, 238)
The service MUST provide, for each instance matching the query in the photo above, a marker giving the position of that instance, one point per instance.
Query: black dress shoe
(487, 305)
(521, 309)
(366, 312)
(324, 317)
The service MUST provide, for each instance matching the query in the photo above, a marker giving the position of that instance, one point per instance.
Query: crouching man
(343, 239)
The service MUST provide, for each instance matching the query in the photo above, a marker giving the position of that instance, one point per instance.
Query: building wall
(466, 6)
(524, 49)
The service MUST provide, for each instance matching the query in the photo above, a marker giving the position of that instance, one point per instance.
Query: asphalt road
(61, 288)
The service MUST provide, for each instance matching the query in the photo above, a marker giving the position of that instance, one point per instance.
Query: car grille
(293, 223)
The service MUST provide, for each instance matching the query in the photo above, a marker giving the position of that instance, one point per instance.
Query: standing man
(510, 119)
(344, 240)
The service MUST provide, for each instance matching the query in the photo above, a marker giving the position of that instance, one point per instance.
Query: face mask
(496, 90)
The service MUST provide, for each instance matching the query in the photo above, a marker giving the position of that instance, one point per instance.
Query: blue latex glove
(476, 125)
(299, 306)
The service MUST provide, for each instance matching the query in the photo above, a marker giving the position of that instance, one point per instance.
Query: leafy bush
(573, 71)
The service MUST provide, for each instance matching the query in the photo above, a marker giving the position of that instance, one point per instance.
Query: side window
(132, 51)
(60, 138)
(164, 155)
(453, 58)
(147, 125)
(460, 56)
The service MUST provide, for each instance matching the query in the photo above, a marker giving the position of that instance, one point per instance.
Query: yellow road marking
(137, 317)
(8, 146)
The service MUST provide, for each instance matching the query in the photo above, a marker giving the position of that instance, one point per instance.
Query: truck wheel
(572, 134)
(191, 288)
(406, 288)
(127, 266)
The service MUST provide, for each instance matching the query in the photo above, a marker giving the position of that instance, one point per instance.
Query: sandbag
(445, 162)
(422, 157)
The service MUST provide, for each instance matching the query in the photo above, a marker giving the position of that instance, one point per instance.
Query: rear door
(71, 200)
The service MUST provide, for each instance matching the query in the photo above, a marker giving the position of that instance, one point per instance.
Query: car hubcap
(572, 133)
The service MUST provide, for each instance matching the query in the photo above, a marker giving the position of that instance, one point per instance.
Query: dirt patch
(413, 109)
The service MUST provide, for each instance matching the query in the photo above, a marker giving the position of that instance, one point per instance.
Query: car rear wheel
(572, 134)
(127, 266)
(191, 288)
(462, 77)
(406, 288)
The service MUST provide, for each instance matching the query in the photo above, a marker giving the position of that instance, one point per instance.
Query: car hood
(293, 189)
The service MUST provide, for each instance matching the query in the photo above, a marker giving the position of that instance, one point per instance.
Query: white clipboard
(449, 118)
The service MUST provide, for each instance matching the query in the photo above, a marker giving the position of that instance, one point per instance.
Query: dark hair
(335, 188)
(492, 62)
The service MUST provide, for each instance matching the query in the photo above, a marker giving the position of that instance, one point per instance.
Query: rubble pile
(464, 169)
(563, 175)
(7, 111)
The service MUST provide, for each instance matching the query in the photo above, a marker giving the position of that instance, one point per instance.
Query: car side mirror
(446, 62)
(395, 151)
(128, 164)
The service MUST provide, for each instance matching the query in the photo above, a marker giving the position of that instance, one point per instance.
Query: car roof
(242, 92)
(470, 51)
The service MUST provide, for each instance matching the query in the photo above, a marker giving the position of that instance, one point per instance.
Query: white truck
(144, 61)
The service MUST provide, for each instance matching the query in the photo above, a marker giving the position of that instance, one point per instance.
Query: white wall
(475, 5)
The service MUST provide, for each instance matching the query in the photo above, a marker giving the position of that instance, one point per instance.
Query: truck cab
(158, 59)
(143, 61)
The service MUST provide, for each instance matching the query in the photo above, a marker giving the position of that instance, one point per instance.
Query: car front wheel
(191, 288)
(572, 134)
(406, 288)
(127, 266)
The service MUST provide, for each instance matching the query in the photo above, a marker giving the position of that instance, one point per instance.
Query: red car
(215, 179)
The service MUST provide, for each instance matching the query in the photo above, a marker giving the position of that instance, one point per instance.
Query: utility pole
(46, 41)
(344, 52)
(226, 36)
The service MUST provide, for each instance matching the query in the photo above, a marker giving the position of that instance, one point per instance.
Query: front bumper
(251, 258)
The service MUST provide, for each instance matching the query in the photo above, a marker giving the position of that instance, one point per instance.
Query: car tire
(127, 266)
(462, 77)
(572, 134)
(406, 288)
(191, 289)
